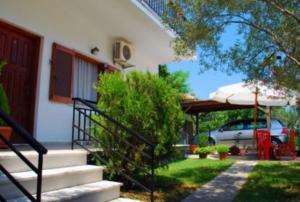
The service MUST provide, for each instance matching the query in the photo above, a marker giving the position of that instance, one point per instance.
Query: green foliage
(222, 149)
(290, 116)
(297, 139)
(176, 79)
(265, 47)
(203, 140)
(214, 120)
(163, 71)
(280, 180)
(4, 105)
(204, 150)
(191, 171)
(178, 154)
(181, 178)
(146, 104)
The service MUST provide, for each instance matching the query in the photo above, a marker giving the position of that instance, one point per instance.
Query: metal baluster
(84, 124)
(88, 111)
(90, 124)
(73, 125)
(152, 174)
(79, 125)
(39, 178)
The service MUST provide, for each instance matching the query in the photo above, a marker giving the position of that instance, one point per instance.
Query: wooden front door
(20, 51)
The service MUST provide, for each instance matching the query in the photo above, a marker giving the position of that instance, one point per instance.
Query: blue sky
(209, 81)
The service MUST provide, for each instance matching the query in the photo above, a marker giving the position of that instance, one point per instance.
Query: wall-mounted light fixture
(106, 66)
(95, 50)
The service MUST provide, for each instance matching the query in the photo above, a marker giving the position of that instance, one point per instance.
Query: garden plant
(4, 106)
(223, 151)
(147, 104)
(204, 151)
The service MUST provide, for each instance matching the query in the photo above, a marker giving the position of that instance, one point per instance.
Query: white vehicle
(240, 132)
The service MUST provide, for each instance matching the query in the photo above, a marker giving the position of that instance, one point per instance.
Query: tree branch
(283, 10)
(272, 35)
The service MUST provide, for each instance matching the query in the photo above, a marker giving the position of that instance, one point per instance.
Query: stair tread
(125, 200)
(10, 154)
(73, 192)
(27, 175)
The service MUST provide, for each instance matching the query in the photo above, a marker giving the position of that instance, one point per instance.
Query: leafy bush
(204, 150)
(4, 105)
(297, 138)
(222, 149)
(176, 79)
(203, 140)
(148, 105)
(178, 154)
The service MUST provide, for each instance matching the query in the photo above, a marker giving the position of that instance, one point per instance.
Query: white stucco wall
(82, 25)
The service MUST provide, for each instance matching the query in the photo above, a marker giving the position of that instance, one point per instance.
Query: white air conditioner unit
(123, 53)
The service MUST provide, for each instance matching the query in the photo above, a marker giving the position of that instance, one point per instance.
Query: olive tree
(266, 44)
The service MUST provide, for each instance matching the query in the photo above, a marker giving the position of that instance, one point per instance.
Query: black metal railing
(38, 147)
(160, 7)
(83, 131)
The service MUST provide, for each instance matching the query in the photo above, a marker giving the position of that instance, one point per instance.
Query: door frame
(36, 63)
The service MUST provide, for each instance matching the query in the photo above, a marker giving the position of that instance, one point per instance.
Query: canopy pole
(269, 115)
(255, 115)
(197, 125)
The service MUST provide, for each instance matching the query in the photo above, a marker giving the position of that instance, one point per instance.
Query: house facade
(55, 49)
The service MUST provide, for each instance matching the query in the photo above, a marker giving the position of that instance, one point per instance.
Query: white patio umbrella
(247, 94)
(256, 94)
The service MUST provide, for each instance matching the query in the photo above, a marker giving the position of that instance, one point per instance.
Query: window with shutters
(73, 75)
(61, 74)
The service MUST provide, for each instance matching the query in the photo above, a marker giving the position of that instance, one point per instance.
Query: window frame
(53, 96)
(102, 67)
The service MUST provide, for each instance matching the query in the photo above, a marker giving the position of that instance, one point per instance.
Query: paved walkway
(225, 186)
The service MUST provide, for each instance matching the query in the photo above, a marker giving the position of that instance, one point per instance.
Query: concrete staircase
(66, 177)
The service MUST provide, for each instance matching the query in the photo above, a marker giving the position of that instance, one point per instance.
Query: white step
(124, 200)
(53, 179)
(53, 159)
(102, 191)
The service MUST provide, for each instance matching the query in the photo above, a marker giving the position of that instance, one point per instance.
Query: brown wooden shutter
(61, 84)
(112, 69)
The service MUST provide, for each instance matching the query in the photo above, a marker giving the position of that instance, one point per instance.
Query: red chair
(289, 149)
(264, 145)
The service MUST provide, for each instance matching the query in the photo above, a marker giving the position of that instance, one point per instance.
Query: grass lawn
(180, 178)
(272, 181)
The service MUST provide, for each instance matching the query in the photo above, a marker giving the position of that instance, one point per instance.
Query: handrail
(38, 147)
(24, 133)
(88, 103)
(18, 185)
(83, 122)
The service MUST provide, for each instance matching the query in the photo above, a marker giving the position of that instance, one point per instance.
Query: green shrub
(203, 140)
(4, 105)
(178, 153)
(148, 105)
(297, 139)
(204, 150)
(222, 149)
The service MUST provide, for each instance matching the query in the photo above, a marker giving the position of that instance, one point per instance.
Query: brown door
(20, 51)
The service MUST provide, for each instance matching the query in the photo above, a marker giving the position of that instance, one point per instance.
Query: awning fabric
(195, 107)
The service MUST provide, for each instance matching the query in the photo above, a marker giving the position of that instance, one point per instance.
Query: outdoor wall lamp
(95, 50)
(106, 66)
